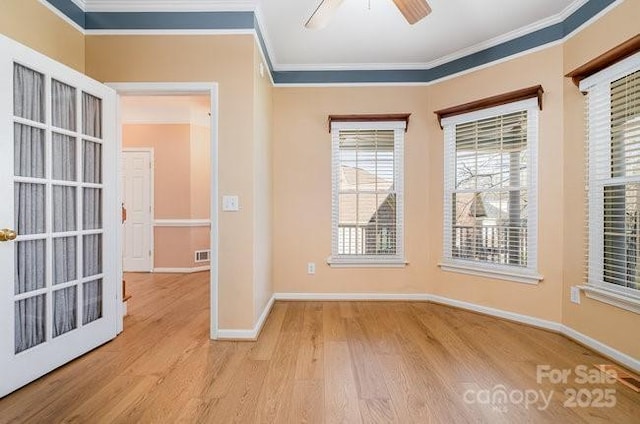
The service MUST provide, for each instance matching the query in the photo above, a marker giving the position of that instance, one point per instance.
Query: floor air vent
(622, 376)
(203, 255)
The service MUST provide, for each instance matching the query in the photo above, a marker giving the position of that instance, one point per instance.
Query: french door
(58, 216)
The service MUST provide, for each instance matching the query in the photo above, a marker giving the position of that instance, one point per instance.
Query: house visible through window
(490, 188)
(367, 192)
(613, 110)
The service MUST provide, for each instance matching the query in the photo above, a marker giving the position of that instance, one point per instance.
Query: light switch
(230, 203)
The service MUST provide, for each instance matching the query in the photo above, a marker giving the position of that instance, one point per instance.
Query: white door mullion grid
(79, 206)
(19, 369)
(48, 228)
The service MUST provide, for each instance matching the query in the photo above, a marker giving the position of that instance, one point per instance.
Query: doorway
(156, 128)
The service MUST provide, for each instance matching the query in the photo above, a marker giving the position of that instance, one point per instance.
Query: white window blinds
(367, 191)
(490, 188)
(613, 177)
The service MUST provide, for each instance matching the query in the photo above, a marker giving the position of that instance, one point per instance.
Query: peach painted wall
(172, 167)
(200, 146)
(262, 188)
(608, 324)
(302, 189)
(181, 160)
(227, 60)
(31, 23)
(545, 299)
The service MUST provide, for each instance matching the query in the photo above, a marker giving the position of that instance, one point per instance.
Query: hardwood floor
(315, 362)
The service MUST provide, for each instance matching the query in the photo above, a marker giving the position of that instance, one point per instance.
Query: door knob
(7, 234)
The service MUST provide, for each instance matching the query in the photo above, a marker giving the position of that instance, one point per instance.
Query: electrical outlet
(575, 294)
(311, 268)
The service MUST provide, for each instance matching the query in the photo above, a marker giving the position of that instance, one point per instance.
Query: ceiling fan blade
(413, 10)
(324, 12)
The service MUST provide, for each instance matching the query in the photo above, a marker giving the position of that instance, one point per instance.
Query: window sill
(366, 263)
(611, 297)
(507, 275)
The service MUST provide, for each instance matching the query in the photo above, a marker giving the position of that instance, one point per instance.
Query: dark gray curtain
(64, 259)
(65, 304)
(28, 151)
(28, 94)
(92, 169)
(92, 217)
(30, 322)
(63, 105)
(64, 208)
(29, 204)
(64, 157)
(92, 208)
(92, 301)
(91, 115)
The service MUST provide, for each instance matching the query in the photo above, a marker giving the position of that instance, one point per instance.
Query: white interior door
(59, 278)
(136, 195)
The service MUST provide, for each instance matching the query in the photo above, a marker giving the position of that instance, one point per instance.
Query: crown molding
(571, 8)
(350, 67)
(169, 32)
(82, 4)
(168, 5)
(263, 34)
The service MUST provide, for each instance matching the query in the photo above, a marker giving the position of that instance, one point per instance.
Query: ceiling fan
(413, 11)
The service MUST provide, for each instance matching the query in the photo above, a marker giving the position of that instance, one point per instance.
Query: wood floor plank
(341, 396)
(309, 364)
(315, 362)
(307, 404)
(377, 411)
(333, 325)
(239, 405)
(278, 385)
(266, 344)
(368, 373)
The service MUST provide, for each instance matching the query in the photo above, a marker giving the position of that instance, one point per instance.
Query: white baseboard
(351, 296)
(182, 270)
(608, 351)
(499, 313)
(248, 334)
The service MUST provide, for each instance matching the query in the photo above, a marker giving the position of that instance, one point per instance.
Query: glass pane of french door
(58, 191)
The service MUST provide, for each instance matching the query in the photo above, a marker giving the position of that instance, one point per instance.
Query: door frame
(184, 88)
(152, 188)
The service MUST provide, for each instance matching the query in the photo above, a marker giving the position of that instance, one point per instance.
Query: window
(490, 190)
(613, 183)
(367, 193)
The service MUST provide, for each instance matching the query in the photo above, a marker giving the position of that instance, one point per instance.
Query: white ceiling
(372, 34)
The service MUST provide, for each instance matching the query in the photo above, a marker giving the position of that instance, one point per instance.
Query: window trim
(528, 274)
(622, 297)
(392, 261)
